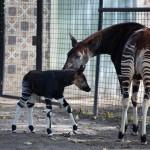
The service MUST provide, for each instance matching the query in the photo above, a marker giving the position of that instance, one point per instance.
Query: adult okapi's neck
(95, 44)
(111, 40)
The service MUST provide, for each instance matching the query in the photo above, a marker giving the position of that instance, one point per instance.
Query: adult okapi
(113, 41)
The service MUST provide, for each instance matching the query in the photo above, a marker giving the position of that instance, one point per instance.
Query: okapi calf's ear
(74, 41)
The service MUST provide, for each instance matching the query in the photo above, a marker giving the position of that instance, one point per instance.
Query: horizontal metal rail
(128, 9)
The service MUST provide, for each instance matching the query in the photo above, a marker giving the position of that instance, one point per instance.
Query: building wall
(20, 26)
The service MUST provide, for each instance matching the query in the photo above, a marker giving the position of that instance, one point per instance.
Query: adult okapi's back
(115, 38)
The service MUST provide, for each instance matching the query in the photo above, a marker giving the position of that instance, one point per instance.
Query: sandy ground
(92, 134)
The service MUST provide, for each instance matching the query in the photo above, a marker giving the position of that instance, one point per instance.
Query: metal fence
(37, 37)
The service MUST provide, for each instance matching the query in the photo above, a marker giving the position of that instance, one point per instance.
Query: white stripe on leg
(145, 107)
(72, 119)
(61, 101)
(17, 114)
(135, 115)
(135, 109)
(30, 116)
(124, 118)
(125, 103)
(48, 119)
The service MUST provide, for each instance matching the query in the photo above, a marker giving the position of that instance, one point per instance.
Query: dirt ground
(92, 134)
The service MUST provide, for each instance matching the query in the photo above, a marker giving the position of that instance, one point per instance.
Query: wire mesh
(109, 89)
(80, 18)
(61, 17)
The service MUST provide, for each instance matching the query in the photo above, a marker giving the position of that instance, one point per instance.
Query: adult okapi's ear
(81, 69)
(74, 41)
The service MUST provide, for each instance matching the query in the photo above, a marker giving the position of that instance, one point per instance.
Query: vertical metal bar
(39, 35)
(49, 28)
(100, 23)
(2, 44)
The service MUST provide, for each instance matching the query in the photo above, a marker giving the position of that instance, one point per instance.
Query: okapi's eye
(69, 64)
(77, 56)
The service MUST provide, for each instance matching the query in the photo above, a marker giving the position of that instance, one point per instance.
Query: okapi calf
(49, 84)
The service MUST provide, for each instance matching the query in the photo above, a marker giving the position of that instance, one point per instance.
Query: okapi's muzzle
(86, 89)
(81, 81)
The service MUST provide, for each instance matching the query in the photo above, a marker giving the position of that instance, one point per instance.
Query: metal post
(49, 28)
(100, 23)
(39, 35)
(2, 43)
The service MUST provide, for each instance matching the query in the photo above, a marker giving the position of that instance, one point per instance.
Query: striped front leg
(64, 103)
(49, 115)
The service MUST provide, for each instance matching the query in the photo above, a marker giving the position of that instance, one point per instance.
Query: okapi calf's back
(49, 84)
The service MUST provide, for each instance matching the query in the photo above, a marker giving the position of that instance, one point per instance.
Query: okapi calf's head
(80, 80)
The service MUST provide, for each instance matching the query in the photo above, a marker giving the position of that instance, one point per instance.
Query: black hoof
(13, 128)
(120, 135)
(135, 129)
(75, 127)
(143, 139)
(31, 128)
(49, 132)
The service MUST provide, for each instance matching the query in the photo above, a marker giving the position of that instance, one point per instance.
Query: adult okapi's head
(81, 52)
(80, 80)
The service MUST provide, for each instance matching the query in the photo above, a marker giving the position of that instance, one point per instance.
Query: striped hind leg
(30, 105)
(26, 93)
(146, 101)
(127, 72)
(120, 81)
(135, 89)
(145, 106)
(125, 104)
